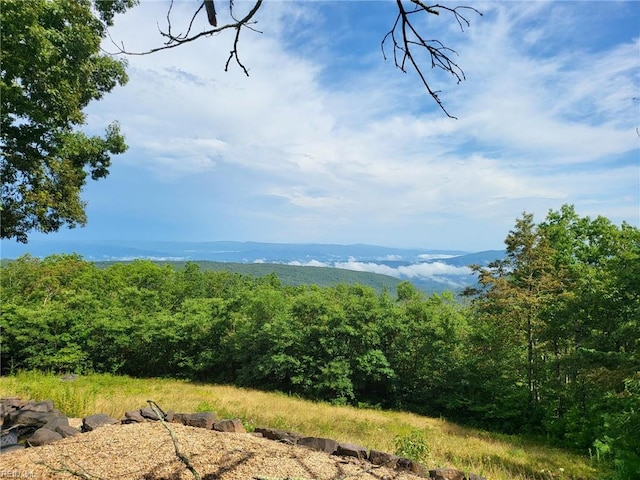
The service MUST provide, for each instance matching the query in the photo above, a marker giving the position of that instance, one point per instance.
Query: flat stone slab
(200, 420)
(43, 436)
(446, 474)
(67, 431)
(351, 450)
(231, 426)
(44, 406)
(92, 422)
(31, 418)
(56, 422)
(412, 466)
(148, 413)
(278, 435)
(383, 458)
(327, 445)
(133, 416)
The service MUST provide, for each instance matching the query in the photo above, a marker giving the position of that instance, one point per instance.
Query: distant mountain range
(431, 270)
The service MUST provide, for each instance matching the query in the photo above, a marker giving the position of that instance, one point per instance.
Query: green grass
(497, 457)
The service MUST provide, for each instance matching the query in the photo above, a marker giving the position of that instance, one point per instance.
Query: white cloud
(298, 197)
(370, 267)
(310, 263)
(565, 107)
(434, 256)
(287, 155)
(130, 258)
(434, 270)
(392, 257)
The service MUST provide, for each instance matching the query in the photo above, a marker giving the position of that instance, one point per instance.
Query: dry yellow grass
(496, 457)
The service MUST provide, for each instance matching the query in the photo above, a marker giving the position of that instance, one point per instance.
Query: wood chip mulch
(145, 451)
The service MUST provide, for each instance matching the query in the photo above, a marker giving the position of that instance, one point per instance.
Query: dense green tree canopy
(548, 343)
(563, 312)
(52, 67)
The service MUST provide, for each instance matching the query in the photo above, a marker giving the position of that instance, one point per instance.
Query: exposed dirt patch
(145, 451)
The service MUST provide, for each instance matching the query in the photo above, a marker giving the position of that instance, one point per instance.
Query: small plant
(249, 424)
(412, 446)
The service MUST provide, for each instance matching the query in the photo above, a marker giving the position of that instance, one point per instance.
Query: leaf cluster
(52, 68)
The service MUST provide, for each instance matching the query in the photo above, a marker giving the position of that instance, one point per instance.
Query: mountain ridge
(428, 269)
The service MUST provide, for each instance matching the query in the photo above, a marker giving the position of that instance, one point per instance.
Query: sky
(327, 142)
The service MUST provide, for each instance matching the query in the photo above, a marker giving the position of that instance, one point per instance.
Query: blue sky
(326, 142)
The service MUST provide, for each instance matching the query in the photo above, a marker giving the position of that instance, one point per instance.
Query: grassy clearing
(497, 457)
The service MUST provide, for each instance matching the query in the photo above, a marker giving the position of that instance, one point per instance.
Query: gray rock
(200, 420)
(446, 474)
(383, 458)
(67, 431)
(179, 418)
(92, 422)
(351, 450)
(232, 426)
(133, 416)
(30, 418)
(278, 435)
(43, 436)
(412, 466)
(56, 422)
(13, 403)
(9, 404)
(44, 406)
(321, 444)
(148, 413)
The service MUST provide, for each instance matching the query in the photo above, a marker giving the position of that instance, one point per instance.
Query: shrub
(412, 446)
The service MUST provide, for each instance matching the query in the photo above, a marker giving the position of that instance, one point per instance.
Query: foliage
(563, 311)
(52, 67)
(413, 446)
(621, 440)
(547, 344)
(294, 275)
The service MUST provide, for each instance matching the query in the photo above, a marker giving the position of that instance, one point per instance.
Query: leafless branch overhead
(406, 36)
(408, 40)
(174, 40)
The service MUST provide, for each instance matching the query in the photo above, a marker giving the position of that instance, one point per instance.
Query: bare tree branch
(181, 456)
(409, 39)
(176, 40)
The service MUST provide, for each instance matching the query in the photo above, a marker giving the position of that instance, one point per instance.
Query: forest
(545, 344)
